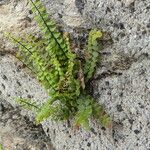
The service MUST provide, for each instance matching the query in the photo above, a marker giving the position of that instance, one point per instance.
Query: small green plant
(62, 74)
(1, 147)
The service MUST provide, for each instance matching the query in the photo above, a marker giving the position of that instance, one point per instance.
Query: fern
(1, 147)
(92, 52)
(60, 71)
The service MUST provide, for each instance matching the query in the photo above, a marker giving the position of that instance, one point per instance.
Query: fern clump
(59, 70)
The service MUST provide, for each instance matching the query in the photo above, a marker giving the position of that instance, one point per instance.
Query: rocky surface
(18, 133)
(121, 82)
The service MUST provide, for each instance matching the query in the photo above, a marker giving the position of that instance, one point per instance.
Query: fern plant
(59, 70)
(1, 147)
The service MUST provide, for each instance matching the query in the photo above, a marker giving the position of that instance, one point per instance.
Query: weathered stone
(15, 19)
(128, 2)
(122, 78)
(17, 132)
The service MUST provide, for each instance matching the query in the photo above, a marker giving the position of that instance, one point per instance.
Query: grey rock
(129, 2)
(64, 11)
(17, 132)
(121, 82)
(2, 2)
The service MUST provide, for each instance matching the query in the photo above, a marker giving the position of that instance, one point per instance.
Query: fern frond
(1, 147)
(57, 46)
(45, 112)
(93, 53)
(55, 111)
(84, 112)
(30, 53)
(88, 108)
(100, 114)
(27, 104)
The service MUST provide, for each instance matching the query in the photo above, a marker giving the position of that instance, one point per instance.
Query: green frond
(27, 104)
(1, 147)
(100, 115)
(84, 112)
(45, 112)
(93, 49)
(55, 111)
(57, 45)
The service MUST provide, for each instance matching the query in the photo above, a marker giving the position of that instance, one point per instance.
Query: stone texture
(121, 82)
(64, 11)
(16, 19)
(18, 133)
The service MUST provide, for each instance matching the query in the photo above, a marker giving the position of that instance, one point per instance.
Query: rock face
(18, 133)
(121, 82)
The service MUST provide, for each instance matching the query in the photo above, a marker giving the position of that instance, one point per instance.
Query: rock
(2, 2)
(2, 107)
(71, 15)
(128, 2)
(121, 82)
(66, 11)
(17, 132)
(15, 19)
